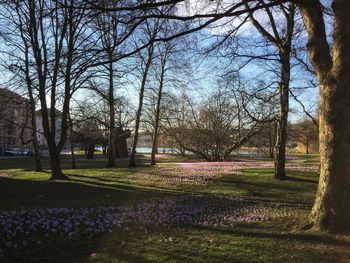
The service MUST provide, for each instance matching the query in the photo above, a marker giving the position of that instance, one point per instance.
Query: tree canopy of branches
(218, 125)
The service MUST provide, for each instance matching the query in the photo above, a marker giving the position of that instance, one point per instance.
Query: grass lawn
(181, 210)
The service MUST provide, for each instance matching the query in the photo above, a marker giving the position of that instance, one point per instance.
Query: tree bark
(112, 129)
(38, 167)
(91, 151)
(281, 141)
(139, 110)
(153, 153)
(272, 133)
(157, 116)
(271, 151)
(71, 142)
(331, 208)
(283, 45)
(56, 169)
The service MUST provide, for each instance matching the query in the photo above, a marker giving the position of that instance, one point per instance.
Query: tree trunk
(91, 151)
(156, 124)
(283, 45)
(154, 152)
(74, 166)
(271, 152)
(182, 151)
(331, 208)
(271, 144)
(121, 146)
(56, 169)
(139, 110)
(112, 130)
(136, 136)
(36, 152)
(71, 142)
(38, 167)
(281, 139)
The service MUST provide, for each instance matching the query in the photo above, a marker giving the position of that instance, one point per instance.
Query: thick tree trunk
(281, 139)
(121, 146)
(154, 152)
(331, 210)
(56, 169)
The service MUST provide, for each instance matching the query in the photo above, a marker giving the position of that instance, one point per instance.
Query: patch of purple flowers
(20, 228)
(201, 173)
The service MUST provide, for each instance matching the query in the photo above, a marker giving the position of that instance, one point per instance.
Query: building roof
(11, 96)
(39, 112)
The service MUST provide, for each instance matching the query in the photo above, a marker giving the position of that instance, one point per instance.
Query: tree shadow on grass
(28, 164)
(258, 188)
(27, 194)
(97, 181)
(303, 180)
(305, 237)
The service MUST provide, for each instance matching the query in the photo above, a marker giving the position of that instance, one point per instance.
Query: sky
(308, 94)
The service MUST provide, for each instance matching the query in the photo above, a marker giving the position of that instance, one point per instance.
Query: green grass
(258, 184)
(93, 185)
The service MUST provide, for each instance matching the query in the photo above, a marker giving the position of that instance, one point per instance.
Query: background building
(40, 130)
(15, 124)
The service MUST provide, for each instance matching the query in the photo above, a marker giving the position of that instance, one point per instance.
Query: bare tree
(162, 71)
(170, 71)
(113, 36)
(55, 35)
(151, 31)
(222, 123)
(177, 115)
(305, 132)
(281, 38)
(20, 66)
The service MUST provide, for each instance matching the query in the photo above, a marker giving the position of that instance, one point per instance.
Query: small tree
(220, 124)
(306, 132)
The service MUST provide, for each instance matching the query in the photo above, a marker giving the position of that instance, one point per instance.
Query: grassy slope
(271, 241)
